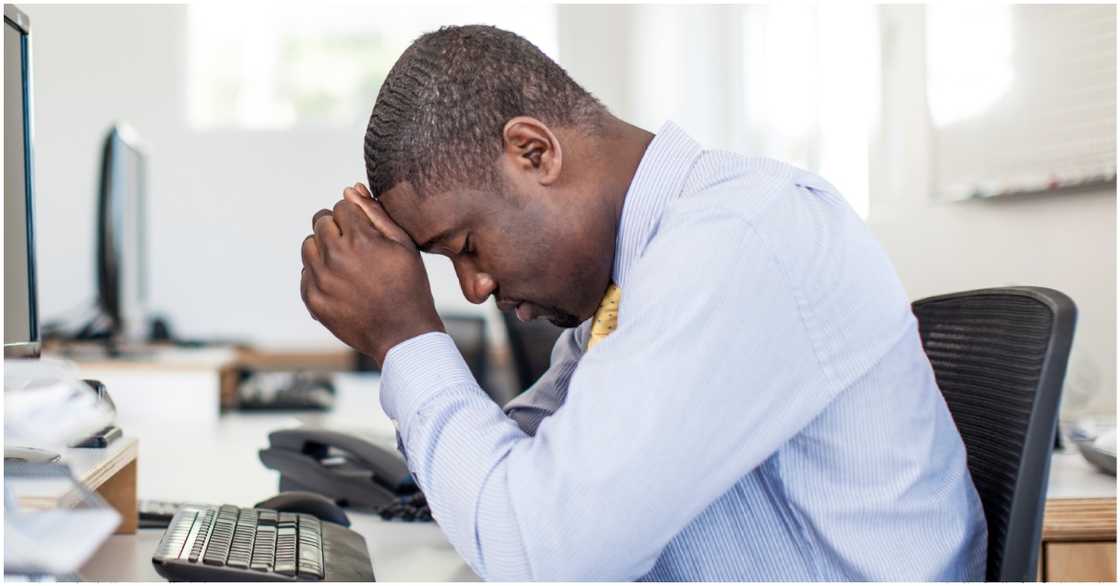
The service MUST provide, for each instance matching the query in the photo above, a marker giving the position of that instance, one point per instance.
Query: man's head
(484, 150)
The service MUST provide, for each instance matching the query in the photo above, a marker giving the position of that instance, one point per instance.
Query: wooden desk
(195, 384)
(1079, 540)
(1079, 525)
(165, 384)
(110, 471)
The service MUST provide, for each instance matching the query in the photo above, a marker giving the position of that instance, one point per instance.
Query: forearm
(491, 487)
(455, 437)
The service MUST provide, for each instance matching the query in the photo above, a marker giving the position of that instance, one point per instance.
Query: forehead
(424, 216)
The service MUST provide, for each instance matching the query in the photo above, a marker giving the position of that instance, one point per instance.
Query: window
(1022, 99)
(811, 90)
(278, 66)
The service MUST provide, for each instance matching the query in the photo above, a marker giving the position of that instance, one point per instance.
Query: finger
(349, 217)
(319, 214)
(304, 290)
(354, 196)
(314, 301)
(326, 230)
(363, 190)
(312, 256)
(379, 218)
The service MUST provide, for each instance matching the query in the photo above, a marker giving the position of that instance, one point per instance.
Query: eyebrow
(427, 245)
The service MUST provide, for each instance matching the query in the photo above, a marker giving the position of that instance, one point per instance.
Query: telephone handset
(350, 468)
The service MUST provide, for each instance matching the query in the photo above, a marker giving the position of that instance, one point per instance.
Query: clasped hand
(363, 277)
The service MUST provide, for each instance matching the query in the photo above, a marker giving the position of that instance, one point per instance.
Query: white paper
(47, 406)
(56, 541)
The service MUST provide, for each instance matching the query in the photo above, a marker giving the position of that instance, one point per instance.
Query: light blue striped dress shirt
(764, 410)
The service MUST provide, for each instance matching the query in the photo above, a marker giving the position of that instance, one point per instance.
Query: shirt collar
(658, 180)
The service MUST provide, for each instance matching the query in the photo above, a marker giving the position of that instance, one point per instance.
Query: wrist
(417, 369)
(382, 347)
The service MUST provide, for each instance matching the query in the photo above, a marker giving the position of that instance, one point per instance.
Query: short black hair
(438, 119)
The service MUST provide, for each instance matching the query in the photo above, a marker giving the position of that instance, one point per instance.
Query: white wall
(1063, 241)
(228, 209)
(652, 63)
(625, 55)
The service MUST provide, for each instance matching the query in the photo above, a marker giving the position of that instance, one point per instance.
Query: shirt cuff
(418, 368)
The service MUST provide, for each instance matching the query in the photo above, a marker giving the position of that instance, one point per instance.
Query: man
(762, 409)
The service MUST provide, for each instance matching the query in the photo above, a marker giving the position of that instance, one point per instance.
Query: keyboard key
(264, 547)
(310, 547)
(175, 537)
(203, 533)
(267, 517)
(217, 551)
(286, 547)
(310, 570)
(241, 548)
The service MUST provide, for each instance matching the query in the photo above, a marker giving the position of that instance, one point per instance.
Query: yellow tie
(606, 317)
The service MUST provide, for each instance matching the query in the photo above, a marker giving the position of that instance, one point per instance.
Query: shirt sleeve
(548, 393)
(712, 368)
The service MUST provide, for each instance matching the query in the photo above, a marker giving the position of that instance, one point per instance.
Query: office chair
(531, 345)
(469, 334)
(999, 356)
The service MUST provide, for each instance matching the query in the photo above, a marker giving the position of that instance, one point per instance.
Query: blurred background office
(978, 142)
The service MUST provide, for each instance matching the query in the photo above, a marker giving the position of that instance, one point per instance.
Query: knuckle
(322, 221)
(316, 302)
(307, 284)
(327, 283)
(309, 250)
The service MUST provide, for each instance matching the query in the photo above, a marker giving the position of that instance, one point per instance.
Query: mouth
(524, 310)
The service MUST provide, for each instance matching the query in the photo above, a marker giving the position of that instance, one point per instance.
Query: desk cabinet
(1079, 541)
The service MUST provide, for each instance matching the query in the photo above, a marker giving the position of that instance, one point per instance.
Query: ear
(532, 148)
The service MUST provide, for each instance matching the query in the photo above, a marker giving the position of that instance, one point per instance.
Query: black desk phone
(353, 469)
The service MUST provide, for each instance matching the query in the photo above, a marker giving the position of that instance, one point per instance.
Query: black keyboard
(226, 543)
(158, 514)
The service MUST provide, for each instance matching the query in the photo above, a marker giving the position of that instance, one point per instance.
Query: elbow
(550, 557)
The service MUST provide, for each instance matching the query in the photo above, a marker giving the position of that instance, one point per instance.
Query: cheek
(520, 261)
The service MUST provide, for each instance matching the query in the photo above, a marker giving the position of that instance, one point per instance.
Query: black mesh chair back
(469, 334)
(531, 345)
(999, 356)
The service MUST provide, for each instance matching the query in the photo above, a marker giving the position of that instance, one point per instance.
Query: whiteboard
(1022, 99)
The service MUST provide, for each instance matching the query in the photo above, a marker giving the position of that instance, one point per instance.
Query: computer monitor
(21, 301)
(122, 278)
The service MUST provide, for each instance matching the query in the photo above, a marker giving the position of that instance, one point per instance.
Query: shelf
(110, 472)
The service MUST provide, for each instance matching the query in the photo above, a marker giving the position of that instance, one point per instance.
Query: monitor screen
(122, 238)
(21, 328)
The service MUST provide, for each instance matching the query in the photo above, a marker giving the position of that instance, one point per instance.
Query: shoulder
(746, 187)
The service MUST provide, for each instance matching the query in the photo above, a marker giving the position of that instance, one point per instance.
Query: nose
(477, 286)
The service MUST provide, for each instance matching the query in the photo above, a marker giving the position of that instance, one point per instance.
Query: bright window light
(811, 87)
(968, 59)
(319, 64)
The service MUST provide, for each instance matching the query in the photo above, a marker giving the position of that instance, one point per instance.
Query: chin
(566, 320)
